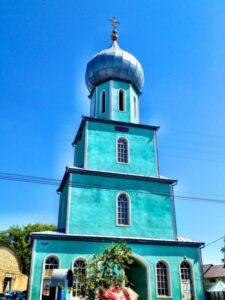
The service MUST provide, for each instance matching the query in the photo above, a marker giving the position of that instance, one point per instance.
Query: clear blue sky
(45, 46)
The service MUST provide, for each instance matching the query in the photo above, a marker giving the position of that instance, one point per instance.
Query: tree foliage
(18, 239)
(223, 251)
(104, 270)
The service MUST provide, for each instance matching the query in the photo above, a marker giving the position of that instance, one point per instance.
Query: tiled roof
(213, 271)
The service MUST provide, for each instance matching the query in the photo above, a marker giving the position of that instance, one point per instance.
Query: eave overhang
(75, 170)
(97, 120)
(110, 239)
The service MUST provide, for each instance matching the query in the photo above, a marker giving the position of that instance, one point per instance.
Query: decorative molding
(97, 238)
(111, 174)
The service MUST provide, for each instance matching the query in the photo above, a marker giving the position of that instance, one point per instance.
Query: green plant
(105, 270)
(18, 239)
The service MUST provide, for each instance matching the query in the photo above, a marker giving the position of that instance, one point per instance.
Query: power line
(56, 182)
(213, 242)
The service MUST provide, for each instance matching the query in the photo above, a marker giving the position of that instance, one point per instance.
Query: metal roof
(111, 174)
(54, 235)
(114, 63)
(213, 271)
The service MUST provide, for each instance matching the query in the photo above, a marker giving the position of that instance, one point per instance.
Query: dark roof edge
(111, 174)
(115, 239)
(79, 131)
(63, 181)
(97, 120)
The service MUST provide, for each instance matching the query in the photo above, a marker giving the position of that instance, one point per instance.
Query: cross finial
(114, 22)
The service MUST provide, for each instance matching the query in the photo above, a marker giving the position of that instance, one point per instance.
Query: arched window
(51, 263)
(135, 106)
(121, 100)
(122, 150)
(123, 210)
(79, 268)
(186, 281)
(103, 102)
(94, 107)
(163, 284)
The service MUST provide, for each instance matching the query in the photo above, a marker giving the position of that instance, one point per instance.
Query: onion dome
(114, 63)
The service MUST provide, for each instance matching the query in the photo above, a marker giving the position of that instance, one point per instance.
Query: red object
(115, 293)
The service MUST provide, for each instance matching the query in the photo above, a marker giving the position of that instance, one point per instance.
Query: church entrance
(138, 276)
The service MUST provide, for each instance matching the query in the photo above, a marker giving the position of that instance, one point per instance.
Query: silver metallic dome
(114, 63)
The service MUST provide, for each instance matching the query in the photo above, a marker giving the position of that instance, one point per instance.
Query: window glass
(162, 279)
(103, 103)
(79, 268)
(123, 210)
(121, 101)
(51, 263)
(122, 150)
(186, 281)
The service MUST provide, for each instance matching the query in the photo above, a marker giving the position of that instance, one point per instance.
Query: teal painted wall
(80, 151)
(96, 101)
(112, 88)
(101, 149)
(128, 114)
(62, 209)
(92, 207)
(68, 251)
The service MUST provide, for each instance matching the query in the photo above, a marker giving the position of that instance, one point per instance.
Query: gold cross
(114, 23)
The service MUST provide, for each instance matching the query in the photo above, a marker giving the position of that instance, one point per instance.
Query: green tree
(223, 251)
(105, 270)
(18, 239)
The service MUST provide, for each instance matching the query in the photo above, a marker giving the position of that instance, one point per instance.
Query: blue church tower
(114, 193)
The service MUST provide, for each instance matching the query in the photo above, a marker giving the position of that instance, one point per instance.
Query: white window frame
(43, 272)
(128, 151)
(103, 91)
(124, 99)
(129, 210)
(168, 278)
(85, 262)
(192, 274)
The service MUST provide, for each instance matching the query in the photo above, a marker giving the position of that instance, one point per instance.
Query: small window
(122, 151)
(121, 101)
(135, 107)
(162, 279)
(51, 263)
(103, 104)
(7, 284)
(94, 108)
(79, 268)
(123, 210)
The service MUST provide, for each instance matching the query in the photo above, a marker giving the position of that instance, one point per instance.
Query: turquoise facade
(112, 88)
(116, 155)
(151, 205)
(68, 251)
(99, 136)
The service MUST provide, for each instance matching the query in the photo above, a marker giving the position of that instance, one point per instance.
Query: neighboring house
(11, 277)
(212, 274)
